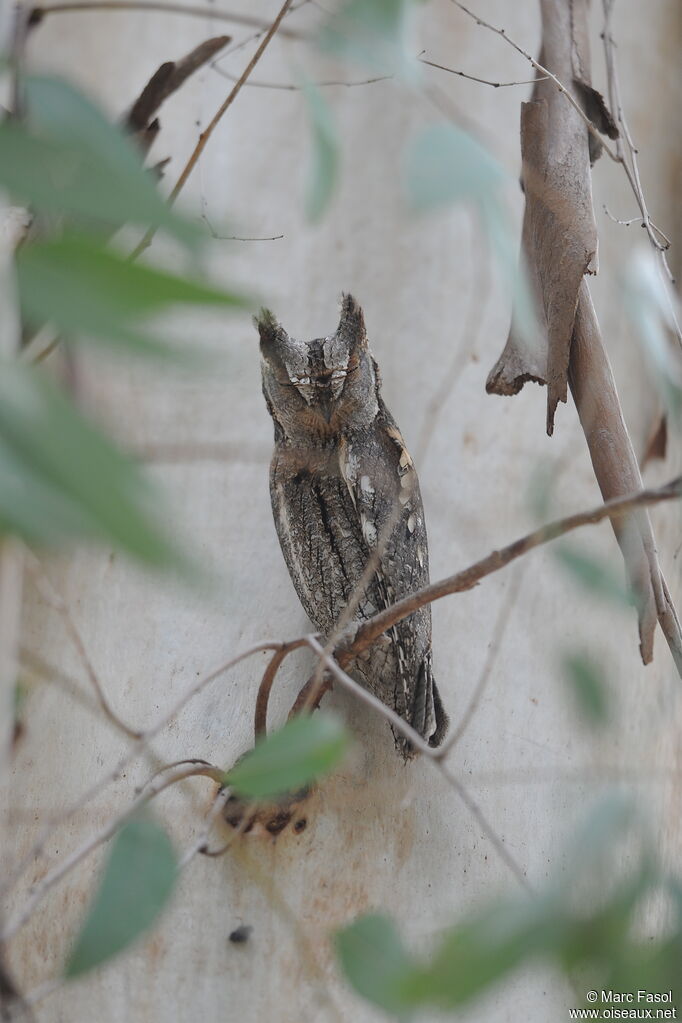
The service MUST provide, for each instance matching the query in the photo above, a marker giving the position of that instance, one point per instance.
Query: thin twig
(591, 126)
(126, 760)
(365, 634)
(257, 35)
(503, 618)
(54, 599)
(482, 81)
(495, 840)
(293, 87)
(630, 164)
(35, 664)
(200, 845)
(217, 117)
(435, 755)
(40, 11)
(623, 223)
(265, 687)
(40, 890)
(336, 82)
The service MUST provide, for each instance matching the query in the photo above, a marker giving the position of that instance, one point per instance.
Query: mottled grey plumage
(342, 483)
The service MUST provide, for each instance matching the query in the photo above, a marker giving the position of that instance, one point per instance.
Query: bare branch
(591, 126)
(127, 758)
(483, 81)
(217, 117)
(38, 891)
(261, 714)
(499, 630)
(469, 577)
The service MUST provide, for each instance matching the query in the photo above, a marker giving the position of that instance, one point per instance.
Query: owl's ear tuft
(268, 327)
(352, 322)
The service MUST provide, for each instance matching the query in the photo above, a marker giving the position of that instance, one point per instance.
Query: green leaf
(372, 33)
(587, 683)
(482, 950)
(69, 159)
(82, 288)
(591, 848)
(61, 478)
(307, 747)
(375, 962)
(444, 164)
(325, 163)
(136, 884)
(655, 312)
(597, 577)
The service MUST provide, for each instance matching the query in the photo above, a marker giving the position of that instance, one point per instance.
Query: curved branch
(370, 630)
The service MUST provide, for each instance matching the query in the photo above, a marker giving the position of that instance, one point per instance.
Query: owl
(344, 490)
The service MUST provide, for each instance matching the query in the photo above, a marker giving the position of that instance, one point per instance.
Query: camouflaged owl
(344, 488)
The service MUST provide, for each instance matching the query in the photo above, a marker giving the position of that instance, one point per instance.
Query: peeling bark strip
(615, 466)
(559, 246)
(559, 239)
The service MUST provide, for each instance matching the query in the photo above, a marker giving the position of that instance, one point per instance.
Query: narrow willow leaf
(68, 159)
(444, 164)
(83, 288)
(588, 687)
(591, 847)
(137, 882)
(375, 962)
(61, 478)
(655, 312)
(597, 577)
(373, 34)
(297, 754)
(325, 158)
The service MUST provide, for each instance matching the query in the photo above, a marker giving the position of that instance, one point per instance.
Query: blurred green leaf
(584, 919)
(655, 311)
(325, 161)
(591, 847)
(60, 477)
(444, 164)
(588, 685)
(137, 882)
(482, 950)
(307, 747)
(80, 287)
(375, 962)
(373, 34)
(596, 576)
(68, 159)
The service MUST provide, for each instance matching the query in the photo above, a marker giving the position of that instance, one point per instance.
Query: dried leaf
(166, 80)
(559, 238)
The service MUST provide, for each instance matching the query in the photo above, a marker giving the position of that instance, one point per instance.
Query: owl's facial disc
(321, 378)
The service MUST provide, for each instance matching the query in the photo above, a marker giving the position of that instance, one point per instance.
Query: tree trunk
(380, 834)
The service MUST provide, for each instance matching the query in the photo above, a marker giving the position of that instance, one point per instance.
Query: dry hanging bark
(559, 247)
(140, 119)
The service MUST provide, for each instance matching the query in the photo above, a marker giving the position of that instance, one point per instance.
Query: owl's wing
(383, 485)
(384, 488)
